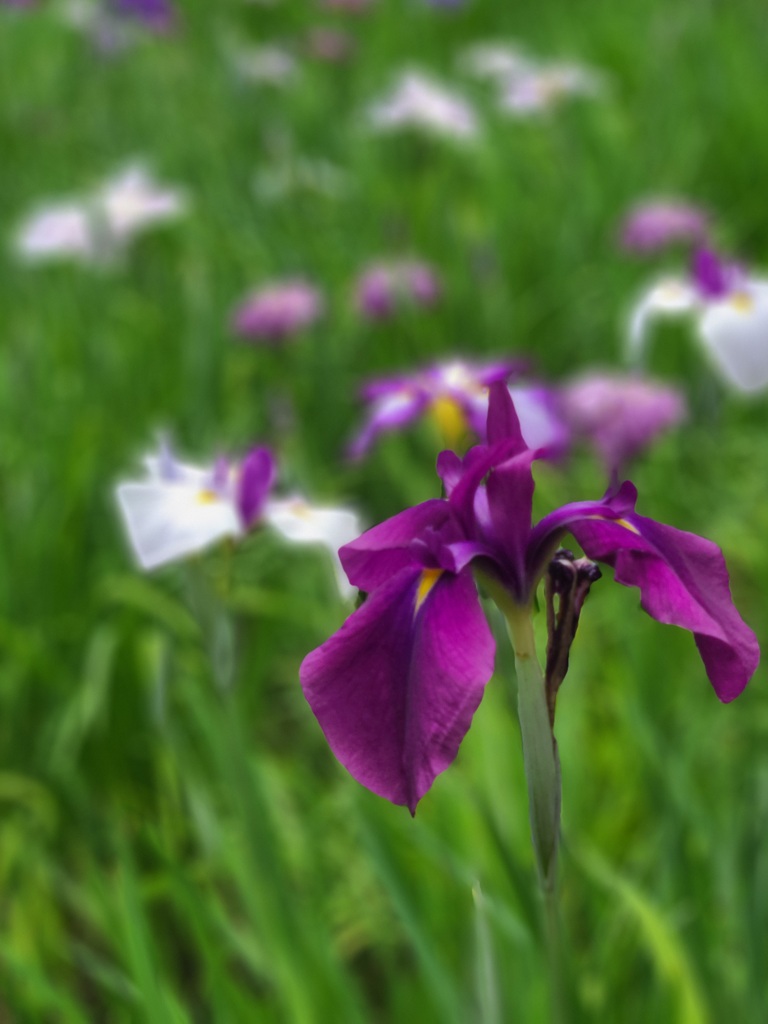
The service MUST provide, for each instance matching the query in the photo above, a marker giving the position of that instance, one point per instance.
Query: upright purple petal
(683, 581)
(712, 276)
(510, 503)
(503, 422)
(384, 550)
(395, 689)
(257, 476)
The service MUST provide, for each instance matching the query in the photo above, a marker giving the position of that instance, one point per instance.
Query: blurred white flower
(179, 510)
(59, 229)
(265, 65)
(543, 87)
(96, 227)
(417, 101)
(495, 62)
(302, 523)
(131, 201)
(729, 307)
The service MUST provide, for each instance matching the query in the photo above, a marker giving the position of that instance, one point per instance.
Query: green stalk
(542, 768)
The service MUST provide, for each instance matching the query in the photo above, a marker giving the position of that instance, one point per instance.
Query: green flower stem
(542, 768)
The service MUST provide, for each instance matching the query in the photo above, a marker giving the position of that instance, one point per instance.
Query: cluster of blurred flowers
(726, 302)
(96, 228)
(523, 86)
(279, 310)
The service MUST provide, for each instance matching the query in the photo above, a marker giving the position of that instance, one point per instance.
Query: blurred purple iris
(395, 689)
(278, 310)
(455, 394)
(383, 287)
(619, 415)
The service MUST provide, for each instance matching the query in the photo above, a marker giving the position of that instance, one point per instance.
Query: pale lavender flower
(56, 231)
(496, 62)
(96, 227)
(132, 200)
(619, 415)
(278, 310)
(383, 287)
(265, 65)
(546, 85)
(418, 102)
(657, 223)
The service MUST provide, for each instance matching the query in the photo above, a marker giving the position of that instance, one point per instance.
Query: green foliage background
(179, 845)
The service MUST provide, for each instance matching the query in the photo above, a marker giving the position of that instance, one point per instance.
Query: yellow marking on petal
(742, 302)
(619, 522)
(429, 578)
(207, 496)
(450, 419)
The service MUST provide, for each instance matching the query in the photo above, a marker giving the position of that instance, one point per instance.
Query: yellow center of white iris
(206, 496)
(429, 578)
(742, 302)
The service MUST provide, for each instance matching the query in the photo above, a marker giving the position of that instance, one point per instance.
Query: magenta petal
(503, 422)
(395, 689)
(683, 581)
(257, 476)
(385, 549)
(388, 413)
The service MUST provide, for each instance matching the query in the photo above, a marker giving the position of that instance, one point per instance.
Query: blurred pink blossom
(620, 415)
(278, 310)
(657, 223)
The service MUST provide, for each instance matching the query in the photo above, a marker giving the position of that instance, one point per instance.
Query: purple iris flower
(395, 689)
(455, 393)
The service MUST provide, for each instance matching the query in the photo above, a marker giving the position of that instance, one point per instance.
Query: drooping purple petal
(683, 581)
(257, 476)
(616, 503)
(395, 689)
(384, 550)
(389, 411)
